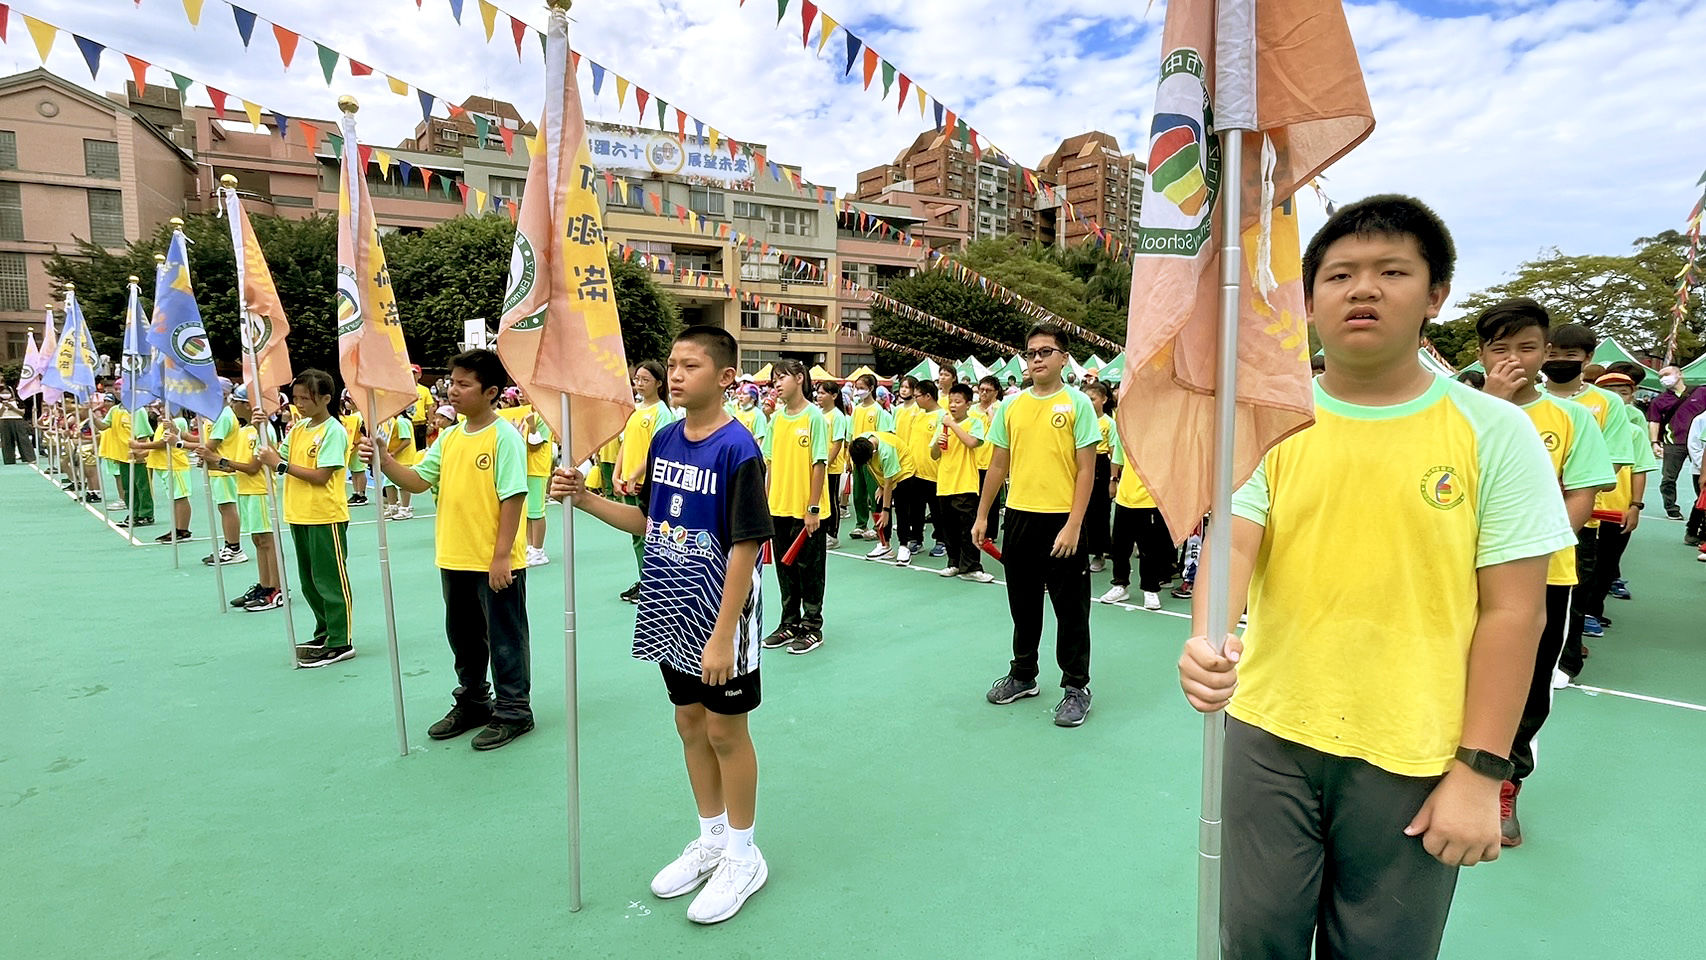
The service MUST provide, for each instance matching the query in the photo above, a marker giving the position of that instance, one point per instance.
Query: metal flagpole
(131, 362)
(1219, 537)
(215, 525)
(172, 477)
(385, 587)
(571, 682)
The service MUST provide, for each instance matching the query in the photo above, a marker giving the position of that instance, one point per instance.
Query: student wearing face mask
(868, 417)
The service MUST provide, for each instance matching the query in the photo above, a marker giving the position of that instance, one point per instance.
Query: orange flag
(560, 333)
(1304, 86)
(371, 354)
(266, 357)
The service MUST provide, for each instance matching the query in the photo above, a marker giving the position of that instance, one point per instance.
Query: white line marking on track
(1594, 691)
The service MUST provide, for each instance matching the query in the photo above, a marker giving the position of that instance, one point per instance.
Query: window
(14, 282)
(106, 218)
(858, 318)
(16, 345)
(11, 212)
(756, 266)
(748, 318)
(506, 187)
(449, 134)
(281, 200)
(793, 223)
(745, 210)
(705, 200)
(100, 159)
(853, 361)
(8, 150)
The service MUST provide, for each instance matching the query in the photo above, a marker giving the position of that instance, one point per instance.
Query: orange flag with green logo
(560, 333)
(371, 354)
(266, 357)
(1301, 80)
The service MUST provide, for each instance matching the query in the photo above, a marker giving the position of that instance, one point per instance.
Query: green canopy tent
(1610, 352)
(1113, 371)
(971, 369)
(1695, 373)
(926, 370)
(1435, 364)
(1476, 366)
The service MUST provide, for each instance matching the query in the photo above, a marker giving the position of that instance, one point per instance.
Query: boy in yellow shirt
(355, 429)
(312, 460)
(913, 496)
(531, 426)
(868, 417)
(955, 451)
(885, 459)
(1394, 558)
(1137, 524)
(237, 454)
(840, 424)
(480, 469)
(796, 456)
(171, 471)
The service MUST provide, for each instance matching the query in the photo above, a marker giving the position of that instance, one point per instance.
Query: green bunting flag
(328, 61)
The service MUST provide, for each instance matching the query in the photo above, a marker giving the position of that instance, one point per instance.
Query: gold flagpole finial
(177, 223)
(347, 104)
(159, 258)
(133, 279)
(70, 287)
(228, 180)
(562, 5)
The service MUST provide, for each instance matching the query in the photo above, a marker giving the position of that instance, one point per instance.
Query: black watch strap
(1486, 764)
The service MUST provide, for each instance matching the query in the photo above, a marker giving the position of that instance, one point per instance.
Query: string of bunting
(873, 64)
(1687, 278)
(877, 341)
(971, 277)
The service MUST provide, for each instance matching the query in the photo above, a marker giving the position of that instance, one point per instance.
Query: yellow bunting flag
(560, 334)
(266, 357)
(192, 10)
(254, 112)
(489, 18)
(621, 90)
(371, 353)
(384, 160)
(398, 87)
(42, 33)
(826, 26)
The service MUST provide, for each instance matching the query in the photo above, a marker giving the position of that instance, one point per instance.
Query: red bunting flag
(462, 188)
(364, 153)
(286, 44)
(139, 70)
(808, 13)
(680, 124)
(218, 98)
(518, 29)
(733, 146)
(905, 84)
(6, 15)
(359, 69)
(508, 136)
(640, 98)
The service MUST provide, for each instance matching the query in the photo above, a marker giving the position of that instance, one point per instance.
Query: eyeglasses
(1041, 353)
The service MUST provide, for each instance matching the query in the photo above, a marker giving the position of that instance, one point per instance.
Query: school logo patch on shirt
(313, 451)
(804, 437)
(1550, 440)
(1058, 420)
(1442, 487)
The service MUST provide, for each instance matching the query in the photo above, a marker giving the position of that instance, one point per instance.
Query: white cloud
(1525, 124)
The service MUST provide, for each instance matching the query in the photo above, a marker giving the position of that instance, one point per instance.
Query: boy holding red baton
(796, 450)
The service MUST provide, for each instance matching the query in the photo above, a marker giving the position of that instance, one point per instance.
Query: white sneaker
(1097, 565)
(978, 576)
(902, 557)
(390, 511)
(732, 883)
(116, 506)
(832, 543)
(878, 552)
(686, 872)
(1116, 594)
(949, 572)
(1560, 679)
(1151, 601)
(535, 557)
(404, 513)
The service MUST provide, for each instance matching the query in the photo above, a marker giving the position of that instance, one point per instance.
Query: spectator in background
(1669, 417)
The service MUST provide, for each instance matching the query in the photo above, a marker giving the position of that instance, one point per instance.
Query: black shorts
(740, 695)
(420, 436)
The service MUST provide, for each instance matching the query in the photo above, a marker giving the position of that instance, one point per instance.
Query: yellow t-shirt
(115, 439)
(352, 432)
(1641, 452)
(793, 446)
(1363, 599)
(180, 456)
(986, 452)
(1105, 424)
(956, 471)
(840, 429)
(607, 453)
(1579, 459)
(871, 418)
(400, 440)
(891, 462)
(637, 436)
(423, 405)
(526, 422)
(1130, 492)
(924, 430)
(1042, 436)
(474, 473)
(310, 445)
(241, 449)
(904, 414)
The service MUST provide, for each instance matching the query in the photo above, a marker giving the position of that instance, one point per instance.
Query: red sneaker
(1510, 830)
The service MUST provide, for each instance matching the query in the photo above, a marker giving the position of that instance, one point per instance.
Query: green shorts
(252, 511)
(535, 498)
(109, 467)
(180, 487)
(224, 487)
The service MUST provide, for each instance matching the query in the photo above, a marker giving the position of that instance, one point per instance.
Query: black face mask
(1561, 371)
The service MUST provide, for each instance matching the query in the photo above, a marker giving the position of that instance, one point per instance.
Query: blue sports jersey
(700, 498)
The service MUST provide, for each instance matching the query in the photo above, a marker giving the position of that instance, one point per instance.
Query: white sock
(714, 831)
(740, 845)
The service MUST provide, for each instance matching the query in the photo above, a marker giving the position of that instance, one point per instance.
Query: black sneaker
(500, 732)
(167, 537)
(254, 591)
(321, 656)
(1673, 512)
(1009, 688)
(780, 637)
(632, 594)
(91, 497)
(357, 499)
(125, 524)
(1183, 590)
(460, 720)
(265, 600)
(1073, 707)
(806, 641)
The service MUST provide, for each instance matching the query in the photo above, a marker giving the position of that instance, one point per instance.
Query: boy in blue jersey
(704, 514)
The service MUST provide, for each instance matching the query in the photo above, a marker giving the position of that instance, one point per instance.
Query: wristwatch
(282, 469)
(813, 510)
(1637, 505)
(1486, 764)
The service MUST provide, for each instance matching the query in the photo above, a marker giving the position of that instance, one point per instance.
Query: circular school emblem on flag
(189, 344)
(1184, 162)
(27, 374)
(483, 461)
(258, 330)
(523, 274)
(1442, 487)
(1549, 440)
(665, 155)
(349, 314)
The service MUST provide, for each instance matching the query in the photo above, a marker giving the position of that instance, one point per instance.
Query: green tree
(1455, 340)
(1628, 297)
(941, 296)
(446, 274)
(650, 318)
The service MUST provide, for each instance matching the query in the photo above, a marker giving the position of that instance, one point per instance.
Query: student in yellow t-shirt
(237, 454)
(537, 435)
(480, 469)
(1394, 557)
(113, 447)
(1513, 336)
(988, 401)
(958, 441)
(1097, 514)
(421, 413)
(172, 473)
(222, 486)
(399, 436)
(1046, 438)
(885, 459)
(796, 452)
(650, 413)
(354, 429)
(1137, 524)
(312, 460)
(914, 496)
(1624, 498)
(840, 424)
(868, 417)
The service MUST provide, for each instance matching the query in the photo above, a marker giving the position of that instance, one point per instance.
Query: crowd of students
(1420, 569)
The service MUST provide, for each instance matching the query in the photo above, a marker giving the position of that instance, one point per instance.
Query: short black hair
(317, 382)
(1507, 318)
(860, 451)
(961, 390)
(1062, 339)
(1385, 215)
(1633, 371)
(991, 381)
(485, 365)
(1573, 336)
(718, 343)
(869, 381)
(927, 388)
(1474, 378)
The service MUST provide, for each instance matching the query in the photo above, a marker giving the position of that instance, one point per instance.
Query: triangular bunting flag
(138, 70)
(826, 25)
(192, 10)
(218, 98)
(488, 18)
(91, 53)
(518, 29)
(359, 69)
(905, 85)
(42, 33)
(597, 77)
(662, 106)
(245, 23)
(337, 142)
(482, 129)
(426, 179)
(480, 198)
(283, 123)
(398, 87)
(922, 96)
(808, 13)
(403, 170)
(254, 112)
(640, 98)
(621, 91)
(364, 154)
(183, 84)
(888, 78)
(508, 138)
(310, 134)
(286, 44)
(426, 105)
(781, 9)
(456, 10)
(852, 53)
(328, 60)
(384, 161)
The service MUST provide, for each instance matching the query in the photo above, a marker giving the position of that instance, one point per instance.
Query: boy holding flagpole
(238, 456)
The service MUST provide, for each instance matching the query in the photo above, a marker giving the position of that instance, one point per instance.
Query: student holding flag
(237, 454)
(141, 385)
(15, 440)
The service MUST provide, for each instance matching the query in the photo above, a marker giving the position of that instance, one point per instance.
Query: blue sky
(1527, 125)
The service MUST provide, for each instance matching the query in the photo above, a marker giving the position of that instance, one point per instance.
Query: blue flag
(187, 378)
(141, 362)
(72, 366)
